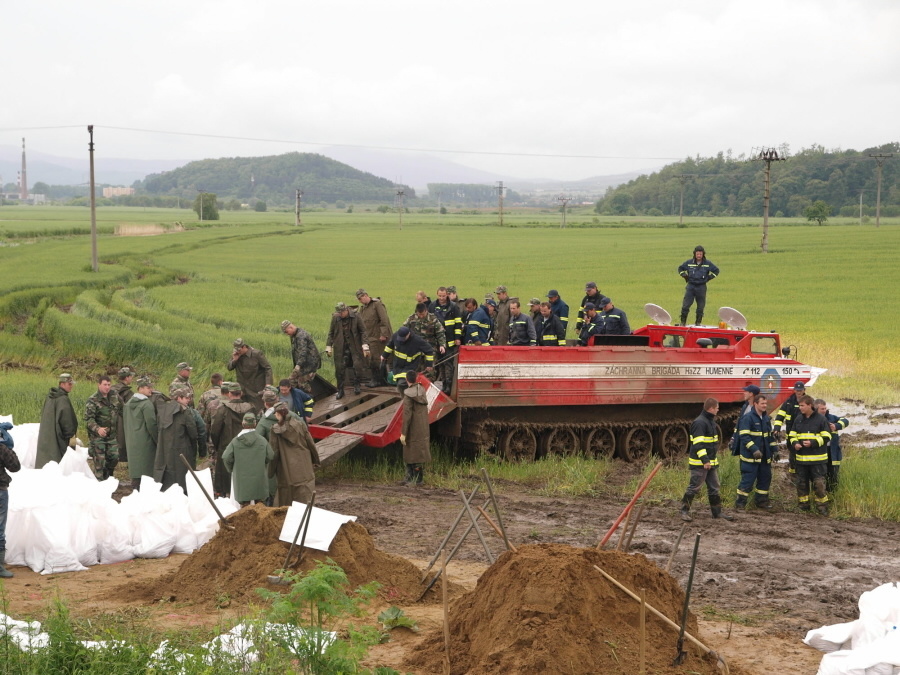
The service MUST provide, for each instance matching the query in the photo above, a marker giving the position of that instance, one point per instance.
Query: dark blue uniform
(521, 331)
(550, 331)
(757, 446)
(479, 327)
(590, 328)
(835, 454)
(614, 322)
(561, 310)
(697, 275)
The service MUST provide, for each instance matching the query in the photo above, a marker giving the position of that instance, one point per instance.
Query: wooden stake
(675, 547)
(634, 525)
(643, 669)
(637, 494)
(446, 613)
(496, 529)
(624, 531)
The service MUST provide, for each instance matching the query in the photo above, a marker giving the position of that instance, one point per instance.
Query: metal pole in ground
(446, 613)
(675, 547)
(634, 525)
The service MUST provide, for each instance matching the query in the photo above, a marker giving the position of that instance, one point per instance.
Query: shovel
(679, 658)
(304, 525)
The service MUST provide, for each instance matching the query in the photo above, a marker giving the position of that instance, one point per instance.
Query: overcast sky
(632, 84)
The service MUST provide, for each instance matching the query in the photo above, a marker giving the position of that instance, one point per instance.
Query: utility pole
(440, 215)
(200, 193)
(95, 265)
(400, 195)
(297, 207)
(860, 205)
(499, 190)
(880, 158)
(767, 155)
(565, 202)
(683, 178)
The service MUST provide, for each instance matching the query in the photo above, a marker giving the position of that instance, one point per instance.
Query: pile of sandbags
(868, 646)
(61, 519)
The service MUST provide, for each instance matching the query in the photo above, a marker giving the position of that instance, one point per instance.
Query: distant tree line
(469, 194)
(726, 185)
(273, 180)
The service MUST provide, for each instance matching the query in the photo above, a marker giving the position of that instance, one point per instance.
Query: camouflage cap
(249, 418)
(284, 325)
(534, 301)
(225, 387)
(184, 365)
(65, 377)
(180, 392)
(270, 388)
(237, 344)
(281, 405)
(500, 289)
(269, 396)
(341, 306)
(125, 372)
(235, 388)
(144, 382)
(360, 292)
(451, 289)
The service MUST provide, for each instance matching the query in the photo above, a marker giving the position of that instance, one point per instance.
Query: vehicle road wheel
(599, 443)
(672, 441)
(518, 445)
(560, 441)
(723, 442)
(635, 443)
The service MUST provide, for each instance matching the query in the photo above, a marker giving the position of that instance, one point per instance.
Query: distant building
(118, 191)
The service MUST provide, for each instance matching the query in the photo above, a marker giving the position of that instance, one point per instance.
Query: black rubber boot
(715, 505)
(740, 502)
(686, 508)
(409, 475)
(340, 390)
(356, 389)
(821, 508)
(418, 475)
(683, 319)
(699, 321)
(4, 573)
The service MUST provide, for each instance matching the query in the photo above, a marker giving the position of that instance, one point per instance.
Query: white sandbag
(48, 548)
(113, 533)
(77, 461)
(831, 638)
(153, 532)
(25, 437)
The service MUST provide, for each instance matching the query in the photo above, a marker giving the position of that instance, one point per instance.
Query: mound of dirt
(546, 609)
(236, 562)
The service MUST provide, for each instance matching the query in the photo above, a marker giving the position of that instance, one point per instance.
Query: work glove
(757, 454)
(366, 349)
(402, 439)
(328, 351)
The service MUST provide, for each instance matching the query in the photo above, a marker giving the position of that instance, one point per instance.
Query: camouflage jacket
(102, 411)
(210, 400)
(304, 352)
(429, 328)
(182, 383)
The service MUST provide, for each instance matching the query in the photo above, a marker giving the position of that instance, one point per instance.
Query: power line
(351, 145)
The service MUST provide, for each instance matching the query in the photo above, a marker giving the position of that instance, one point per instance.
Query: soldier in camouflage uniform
(209, 402)
(123, 390)
(347, 336)
(182, 381)
(374, 317)
(101, 414)
(428, 327)
(304, 354)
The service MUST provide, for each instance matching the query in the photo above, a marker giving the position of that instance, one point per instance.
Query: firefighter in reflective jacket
(703, 463)
(809, 438)
(521, 327)
(449, 315)
(407, 351)
(591, 325)
(757, 447)
(784, 418)
(835, 455)
(591, 294)
(549, 330)
(481, 326)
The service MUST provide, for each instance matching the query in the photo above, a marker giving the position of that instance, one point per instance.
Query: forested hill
(726, 185)
(274, 180)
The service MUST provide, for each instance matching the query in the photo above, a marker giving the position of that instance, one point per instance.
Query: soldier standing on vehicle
(123, 390)
(756, 447)
(703, 462)
(501, 317)
(591, 325)
(304, 354)
(415, 434)
(534, 307)
(549, 329)
(142, 432)
(460, 302)
(559, 308)
(253, 371)
(809, 438)
(182, 380)
(428, 327)
(592, 295)
(58, 423)
(521, 327)
(613, 320)
(101, 414)
(835, 454)
(347, 336)
(375, 320)
(697, 272)
(447, 312)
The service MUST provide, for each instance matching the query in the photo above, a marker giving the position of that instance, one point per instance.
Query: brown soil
(236, 562)
(546, 608)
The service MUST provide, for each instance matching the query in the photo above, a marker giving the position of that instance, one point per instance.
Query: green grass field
(158, 300)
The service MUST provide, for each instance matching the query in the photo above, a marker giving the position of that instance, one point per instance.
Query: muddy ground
(762, 580)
